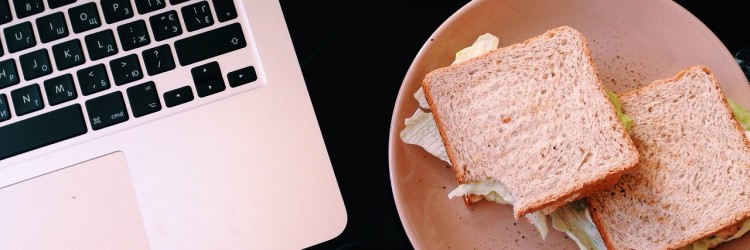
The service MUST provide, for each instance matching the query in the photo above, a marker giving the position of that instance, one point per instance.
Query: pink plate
(633, 43)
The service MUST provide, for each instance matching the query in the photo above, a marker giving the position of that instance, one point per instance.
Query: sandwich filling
(573, 219)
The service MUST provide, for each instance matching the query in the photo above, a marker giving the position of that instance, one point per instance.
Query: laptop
(158, 124)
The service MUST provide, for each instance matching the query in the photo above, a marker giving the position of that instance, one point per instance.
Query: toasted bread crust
(448, 148)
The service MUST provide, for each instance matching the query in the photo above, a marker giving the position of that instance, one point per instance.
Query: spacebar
(41, 130)
(210, 44)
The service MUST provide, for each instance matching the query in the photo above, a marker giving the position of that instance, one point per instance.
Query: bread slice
(534, 117)
(692, 178)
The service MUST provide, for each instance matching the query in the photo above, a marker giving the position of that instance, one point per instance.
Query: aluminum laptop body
(220, 150)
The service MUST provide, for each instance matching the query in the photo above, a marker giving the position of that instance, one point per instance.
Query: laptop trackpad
(87, 206)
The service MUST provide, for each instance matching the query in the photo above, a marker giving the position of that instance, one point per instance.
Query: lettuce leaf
(626, 121)
(575, 221)
(740, 114)
(421, 130)
(482, 45)
(499, 193)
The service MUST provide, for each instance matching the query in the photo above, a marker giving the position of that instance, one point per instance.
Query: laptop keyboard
(71, 69)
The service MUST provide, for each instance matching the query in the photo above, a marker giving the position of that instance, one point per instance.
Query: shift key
(210, 44)
(106, 110)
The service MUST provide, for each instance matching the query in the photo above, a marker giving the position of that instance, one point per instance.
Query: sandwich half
(691, 184)
(532, 121)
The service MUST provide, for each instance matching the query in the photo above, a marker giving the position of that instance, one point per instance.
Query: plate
(633, 43)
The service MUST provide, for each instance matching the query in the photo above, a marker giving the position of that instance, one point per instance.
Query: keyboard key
(19, 37)
(68, 54)
(27, 99)
(165, 25)
(242, 76)
(144, 99)
(178, 96)
(197, 16)
(106, 110)
(52, 27)
(146, 6)
(116, 10)
(93, 79)
(101, 44)
(126, 69)
(208, 79)
(8, 73)
(84, 17)
(4, 108)
(158, 60)
(26, 8)
(42, 130)
(5, 15)
(59, 3)
(60, 89)
(210, 44)
(35, 64)
(133, 35)
(173, 2)
(225, 10)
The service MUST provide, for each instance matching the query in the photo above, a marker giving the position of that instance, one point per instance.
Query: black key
(35, 64)
(242, 76)
(144, 99)
(146, 6)
(60, 89)
(225, 10)
(8, 73)
(210, 44)
(165, 25)
(19, 37)
(126, 69)
(93, 79)
(197, 16)
(106, 110)
(208, 79)
(173, 2)
(4, 108)
(133, 35)
(26, 8)
(27, 99)
(178, 96)
(42, 130)
(84, 17)
(52, 27)
(5, 15)
(59, 3)
(158, 60)
(68, 54)
(101, 44)
(116, 10)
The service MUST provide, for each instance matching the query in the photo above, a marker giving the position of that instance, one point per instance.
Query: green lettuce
(740, 114)
(626, 121)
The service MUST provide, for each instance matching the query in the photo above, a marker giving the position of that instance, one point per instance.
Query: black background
(354, 56)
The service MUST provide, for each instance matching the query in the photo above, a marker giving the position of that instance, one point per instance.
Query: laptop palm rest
(91, 205)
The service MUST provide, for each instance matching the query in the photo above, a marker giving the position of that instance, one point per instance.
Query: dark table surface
(354, 56)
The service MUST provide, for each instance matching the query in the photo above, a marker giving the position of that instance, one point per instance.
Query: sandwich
(688, 190)
(617, 219)
(690, 185)
(529, 125)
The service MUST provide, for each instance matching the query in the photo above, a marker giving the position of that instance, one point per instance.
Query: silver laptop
(162, 124)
